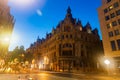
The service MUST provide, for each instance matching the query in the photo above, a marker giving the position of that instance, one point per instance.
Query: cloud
(22, 3)
(27, 5)
(39, 12)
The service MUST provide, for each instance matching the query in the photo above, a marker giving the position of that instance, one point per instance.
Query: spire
(68, 17)
(79, 22)
(69, 14)
(95, 31)
(38, 39)
(88, 25)
(88, 28)
(69, 10)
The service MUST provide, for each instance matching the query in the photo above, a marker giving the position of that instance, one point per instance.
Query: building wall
(69, 47)
(105, 30)
(109, 16)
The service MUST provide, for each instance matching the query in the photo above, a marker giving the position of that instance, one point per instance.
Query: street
(57, 76)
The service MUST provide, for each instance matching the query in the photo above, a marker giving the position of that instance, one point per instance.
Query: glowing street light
(107, 62)
(6, 39)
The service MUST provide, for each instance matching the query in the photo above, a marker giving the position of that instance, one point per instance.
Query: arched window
(67, 45)
(67, 28)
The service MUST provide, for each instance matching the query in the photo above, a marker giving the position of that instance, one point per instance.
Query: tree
(29, 57)
(18, 53)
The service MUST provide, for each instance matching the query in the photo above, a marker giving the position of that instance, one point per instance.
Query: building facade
(6, 27)
(109, 16)
(69, 47)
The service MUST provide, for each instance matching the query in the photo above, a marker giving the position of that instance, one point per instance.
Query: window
(105, 10)
(108, 1)
(118, 12)
(116, 32)
(67, 28)
(109, 25)
(67, 45)
(71, 36)
(110, 8)
(82, 53)
(114, 23)
(80, 28)
(66, 36)
(113, 46)
(67, 53)
(62, 36)
(118, 43)
(89, 31)
(112, 15)
(81, 46)
(110, 34)
(107, 18)
(119, 21)
(116, 5)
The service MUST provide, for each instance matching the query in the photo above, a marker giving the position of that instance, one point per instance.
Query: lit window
(113, 46)
(80, 28)
(110, 25)
(110, 8)
(89, 31)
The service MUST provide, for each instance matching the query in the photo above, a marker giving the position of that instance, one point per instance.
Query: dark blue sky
(38, 18)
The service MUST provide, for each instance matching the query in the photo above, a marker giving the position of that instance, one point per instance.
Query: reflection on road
(57, 76)
(41, 76)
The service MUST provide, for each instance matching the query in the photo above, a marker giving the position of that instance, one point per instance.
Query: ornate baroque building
(109, 16)
(6, 27)
(69, 47)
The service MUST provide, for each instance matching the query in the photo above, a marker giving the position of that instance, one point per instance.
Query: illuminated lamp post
(4, 44)
(46, 62)
(107, 62)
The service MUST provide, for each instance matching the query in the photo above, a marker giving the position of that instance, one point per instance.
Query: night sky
(38, 17)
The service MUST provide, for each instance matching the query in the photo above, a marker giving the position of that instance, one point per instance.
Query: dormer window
(80, 28)
(89, 31)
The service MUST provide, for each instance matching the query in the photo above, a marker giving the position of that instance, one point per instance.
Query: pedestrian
(19, 78)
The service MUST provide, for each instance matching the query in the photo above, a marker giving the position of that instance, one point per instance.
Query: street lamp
(107, 62)
(6, 39)
(46, 62)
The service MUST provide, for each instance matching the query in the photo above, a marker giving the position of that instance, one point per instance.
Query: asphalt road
(57, 76)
